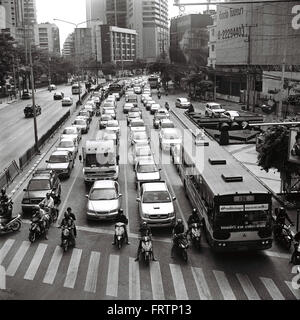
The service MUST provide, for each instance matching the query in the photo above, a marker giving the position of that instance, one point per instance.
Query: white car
(68, 145)
(166, 123)
(154, 107)
(139, 137)
(71, 132)
(110, 112)
(156, 204)
(146, 170)
(141, 152)
(231, 114)
(109, 104)
(89, 108)
(169, 137)
(113, 125)
(214, 110)
(81, 123)
(182, 103)
(137, 125)
(66, 101)
(127, 107)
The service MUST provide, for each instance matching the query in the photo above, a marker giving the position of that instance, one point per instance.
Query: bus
(117, 87)
(236, 208)
(76, 88)
(154, 81)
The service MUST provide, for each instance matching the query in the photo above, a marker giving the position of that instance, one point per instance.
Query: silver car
(104, 200)
(68, 145)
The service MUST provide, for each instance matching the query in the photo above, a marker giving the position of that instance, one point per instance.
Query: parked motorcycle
(195, 235)
(66, 238)
(181, 245)
(283, 235)
(147, 251)
(13, 225)
(119, 234)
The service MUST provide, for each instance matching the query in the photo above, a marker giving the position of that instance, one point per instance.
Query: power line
(178, 4)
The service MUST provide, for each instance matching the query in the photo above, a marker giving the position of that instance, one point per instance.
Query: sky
(74, 11)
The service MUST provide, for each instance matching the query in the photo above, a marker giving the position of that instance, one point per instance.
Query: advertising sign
(294, 146)
(231, 208)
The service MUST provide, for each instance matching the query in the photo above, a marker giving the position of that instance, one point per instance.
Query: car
(67, 101)
(109, 104)
(231, 114)
(71, 132)
(157, 117)
(148, 104)
(147, 92)
(110, 112)
(68, 145)
(62, 162)
(166, 123)
(146, 99)
(133, 115)
(86, 114)
(139, 137)
(136, 125)
(127, 107)
(169, 137)
(141, 151)
(182, 103)
(52, 87)
(97, 100)
(137, 90)
(104, 200)
(146, 170)
(58, 95)
(154, 108)
(103, 120)
(81, 123)
(144, 95)
(156, 204)
(28, 110)
(26, 95)
(132, 98)
(42, 181)
(213, 110)
(117, 95)
(90, 109)
(113, 125)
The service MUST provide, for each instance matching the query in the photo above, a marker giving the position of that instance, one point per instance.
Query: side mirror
(159, 169)
(47, 161)
(174, 198)
(86, 195)
(24, 189)
(138, 199)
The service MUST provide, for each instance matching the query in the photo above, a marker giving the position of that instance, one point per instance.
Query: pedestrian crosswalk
(121, 277)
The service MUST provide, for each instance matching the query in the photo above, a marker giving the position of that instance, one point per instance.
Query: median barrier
(9, 174)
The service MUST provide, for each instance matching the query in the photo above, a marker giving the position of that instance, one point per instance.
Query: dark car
(28, 110)
(42, 182)
(58, 95)
(26, 95)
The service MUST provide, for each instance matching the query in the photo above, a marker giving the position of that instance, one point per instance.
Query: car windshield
(140, 135)
(171, 135)
(156, 196)
(147, 168)
(112, 124)
(103, 194)
(128, 105)
(108, 136)
(184, 100)
(70, 131)
(36, 184)
(109, 111)
(105, 117)
(108, 105)
(58, 158)
(143, 152)
(134, 115)
(155, 106)
(137, 124)
(167, 125)
(215, 107)
(80, 122)
(66, 144)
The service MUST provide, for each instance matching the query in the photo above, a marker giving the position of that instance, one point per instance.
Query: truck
(100, 160)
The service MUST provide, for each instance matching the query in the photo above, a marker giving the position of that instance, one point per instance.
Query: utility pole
(49, 70)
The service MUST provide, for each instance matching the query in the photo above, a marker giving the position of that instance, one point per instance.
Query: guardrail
(9, 174)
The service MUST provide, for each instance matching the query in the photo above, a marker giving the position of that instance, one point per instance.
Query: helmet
(121, 211)
(145, 224)
(69, 209)
(179, 221)
(41, 205)
(281, 209)
(48, 194)
(194, 211)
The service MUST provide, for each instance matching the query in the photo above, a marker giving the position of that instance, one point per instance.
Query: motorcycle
(56, 198)
(195, 235)
(35, 231)
(296, 257)
(119, 234)
(66, 239)
(13, 225)
(9, 207)
(167, 106)
(181, 244)
(284, 235)
(147, 248)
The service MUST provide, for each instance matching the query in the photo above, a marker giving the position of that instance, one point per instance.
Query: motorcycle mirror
(47, 161)
(138, 199)
(24, 189)
(120, 194)
(174, 198)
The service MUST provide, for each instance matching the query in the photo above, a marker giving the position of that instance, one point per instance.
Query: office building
(68, 50)
(49, 37)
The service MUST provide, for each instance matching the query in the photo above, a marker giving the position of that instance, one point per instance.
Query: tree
(7, 52)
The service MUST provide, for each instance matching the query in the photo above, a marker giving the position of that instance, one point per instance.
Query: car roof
(65, 138)
(182, 98)
(103, 184)
(71, 127)
(170, 130)
(166, 121)
(146, 161)
(60, 152)
(213, 104)
(155, 186)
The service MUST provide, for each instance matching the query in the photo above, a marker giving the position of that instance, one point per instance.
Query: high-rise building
(95, 9)
(83, 44)
(49, 37)
(150, 20)
(69, 47)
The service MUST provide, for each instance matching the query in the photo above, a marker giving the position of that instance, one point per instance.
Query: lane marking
(156, 281)
(272, 288)
(178, 281)
(224, 285)
(248, 287)
(134, 280)
(2, 278)
(92, 273)
(53, 265)
(5, 249)
(16, 261)
(296, 292)
(201, 284)
(36, 260)
(126, 200)
(113, 276)
(73, 268)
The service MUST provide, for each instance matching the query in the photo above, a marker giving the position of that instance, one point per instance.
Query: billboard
(294, 146)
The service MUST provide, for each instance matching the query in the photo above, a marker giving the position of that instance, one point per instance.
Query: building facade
(211, 61)
(150, 20)
(68, 50)
(49, 38)
(83, 44)
(189, 39)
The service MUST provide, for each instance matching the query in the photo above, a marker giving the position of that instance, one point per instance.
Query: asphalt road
(97, 270)
(17, 132)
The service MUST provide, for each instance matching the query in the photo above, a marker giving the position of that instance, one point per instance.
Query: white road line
(277, 254)
(156, 281)
(53, 265)
(5, 249)
(134, 280)
(248, 287)
(296, 292)
(16, 261)
(2, 278)
(113, 276)
(224, 285)
(201, 284)
(178, 281)
(272, 288)
(35, 262)
(92, 273)
(73, 268)
(126, 199)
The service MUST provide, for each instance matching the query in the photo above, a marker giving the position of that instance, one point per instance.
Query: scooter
(181, 245)
(66, 239)
(284, 236)
(195, 235)
(35, 230)
(13, 225)
(119, 234)
(147, 251)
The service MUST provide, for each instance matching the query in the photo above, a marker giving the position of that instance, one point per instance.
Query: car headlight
(172, 214)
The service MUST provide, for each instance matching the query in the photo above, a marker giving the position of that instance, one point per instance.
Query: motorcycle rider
(72, 215)
(158, 94)
(193, 218)
(123, 219)
(167, 106)
(4, 200)
(48, 202)
(145, 231)
(280, 219)
(40, 215)
(178, 230)
(296, 245)
(67, 221)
